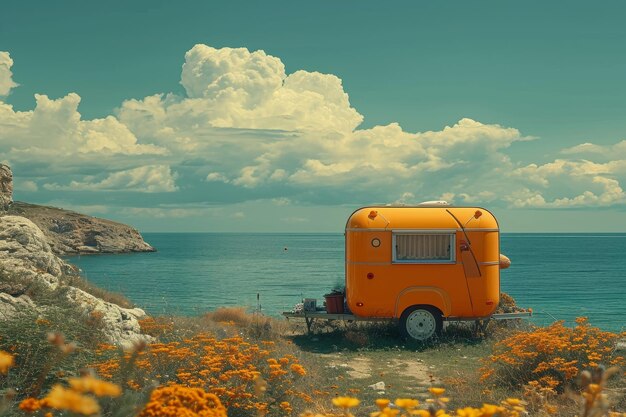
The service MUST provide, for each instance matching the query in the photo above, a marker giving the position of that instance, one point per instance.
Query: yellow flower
(95, 386)
(468, 412)
(594, 388)
(382, 403)
(406, 403)
(6, 361)
(65, 399)
(345, 402)
(489, 409)
(436, 391)
(385, 412)
(513, 401)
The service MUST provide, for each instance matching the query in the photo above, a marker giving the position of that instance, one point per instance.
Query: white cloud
(6, 76)
(54, 131)
(591, 150)
(216, 177)
(91, 209)
(25, 185)
(406, 199)
(167, 212)
(282, 201)
(235, 88)
(569, 184)
(247, 127)
(147, 179)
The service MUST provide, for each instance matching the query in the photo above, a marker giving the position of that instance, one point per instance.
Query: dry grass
(235, 315)
(108, 296)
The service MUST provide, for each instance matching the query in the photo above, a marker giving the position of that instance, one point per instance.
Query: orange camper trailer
(422, 265)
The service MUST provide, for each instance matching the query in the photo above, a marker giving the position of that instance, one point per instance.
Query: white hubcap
(421, 324)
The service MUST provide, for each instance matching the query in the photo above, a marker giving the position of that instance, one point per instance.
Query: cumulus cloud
(584, 183)
(25, 185)
(54, 130)
(247, 130)
(235, 88)
(6, 76)
(591, 150)
(168, 212)
(147, 179)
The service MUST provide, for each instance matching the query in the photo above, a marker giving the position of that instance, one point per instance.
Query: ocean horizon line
(341, 233)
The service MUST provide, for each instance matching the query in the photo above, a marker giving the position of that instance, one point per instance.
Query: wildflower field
(230, 363)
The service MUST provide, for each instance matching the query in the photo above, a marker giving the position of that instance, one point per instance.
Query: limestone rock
(25, 252)
(26, 259)
(11, 306)
(121, 323)
(6, 187)
(69, 232)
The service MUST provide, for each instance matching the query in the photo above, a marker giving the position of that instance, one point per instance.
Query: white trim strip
(475, 229)
(358, 229)
(367, 263)
(487, 263)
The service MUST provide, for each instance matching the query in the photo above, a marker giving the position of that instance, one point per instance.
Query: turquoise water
(560, 276)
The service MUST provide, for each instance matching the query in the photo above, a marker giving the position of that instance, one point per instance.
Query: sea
(559, 276)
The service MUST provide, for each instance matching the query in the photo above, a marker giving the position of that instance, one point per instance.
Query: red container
(334, 303)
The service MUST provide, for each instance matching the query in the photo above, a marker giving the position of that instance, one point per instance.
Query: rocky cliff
(27, 262)
(6, 187)
(69, 232)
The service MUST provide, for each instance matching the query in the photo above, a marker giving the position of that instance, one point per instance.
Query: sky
(286, 116)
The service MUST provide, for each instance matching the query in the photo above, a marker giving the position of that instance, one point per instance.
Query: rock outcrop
(26, 258)
(6, 187)
(69, 232)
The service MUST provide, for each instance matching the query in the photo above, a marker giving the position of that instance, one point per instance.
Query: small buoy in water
(285, 249)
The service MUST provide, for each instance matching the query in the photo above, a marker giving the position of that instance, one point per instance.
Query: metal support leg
(309, 322)
(480, 326)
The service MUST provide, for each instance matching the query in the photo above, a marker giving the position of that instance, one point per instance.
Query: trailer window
(423, 247)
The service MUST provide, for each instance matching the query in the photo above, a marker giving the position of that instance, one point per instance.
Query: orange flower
(436, 391)
(95, 386)
(489, 409)
(382, 403)
(513, 401)
(406, 403)
(30, 405)
(345, 402)
(177, 400)
(6, 361)
(62, 398)
(298, 369)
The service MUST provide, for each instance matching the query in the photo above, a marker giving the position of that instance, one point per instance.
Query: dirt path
(384, 373)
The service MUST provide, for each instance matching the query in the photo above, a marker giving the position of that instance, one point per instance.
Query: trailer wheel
(420, 322)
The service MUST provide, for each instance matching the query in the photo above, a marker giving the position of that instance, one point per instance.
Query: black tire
(420, 322)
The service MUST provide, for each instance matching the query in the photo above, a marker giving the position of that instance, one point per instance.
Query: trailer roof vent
(434, 203)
